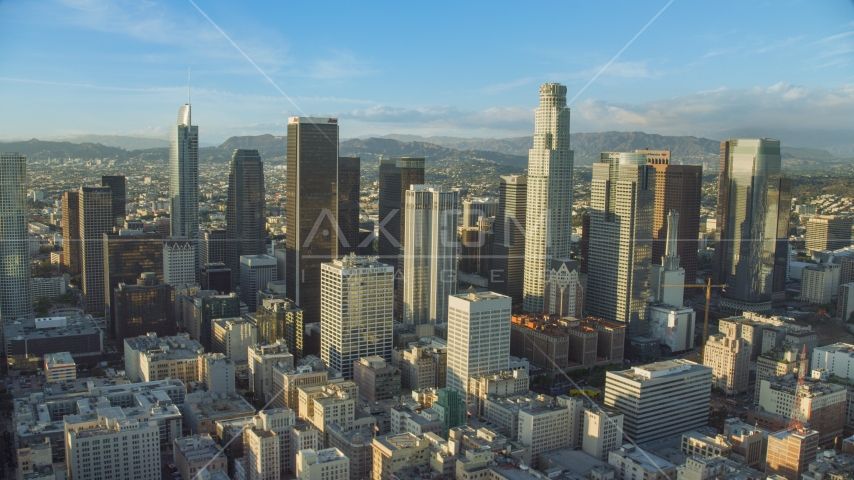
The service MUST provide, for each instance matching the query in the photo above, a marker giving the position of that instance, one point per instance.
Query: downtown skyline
(126, 64)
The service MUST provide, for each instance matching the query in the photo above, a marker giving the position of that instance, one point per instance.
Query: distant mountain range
(120, 141)
(505, 151)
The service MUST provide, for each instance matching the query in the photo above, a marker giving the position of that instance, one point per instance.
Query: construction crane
(708, 286)
(797, 421)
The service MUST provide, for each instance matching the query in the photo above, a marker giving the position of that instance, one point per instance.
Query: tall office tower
(184, 176)
(311, 202)
(127, 255)
(397, 175)
(355, 311)
(96, 219)
(478, 337)
(728, 355)
(281, 320)
(202, 307)
(548, 220)
(476, 248)
(621, 209)
(71, 232)
(668, 273)
(215, 276)
(564, 294)
(144, 306)
(677, 187)
(828, 232)
(754, 200)
(349, 186)
(430, 255)
(660, 399)
(179, 261)
(509, 237)
(255, 272)
(246, 229)
(212, 246)
(475, 209)
(118, 187)
(16, 292)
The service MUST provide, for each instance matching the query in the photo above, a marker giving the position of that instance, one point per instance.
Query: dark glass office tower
(96, 219)
(396, 177)
(754, 200)
(146, 305)
(118, 185)
(508, 266)
(311, 200)
(212, 246)
(126, 257)
(216, 276)
(246, 229)
(348, 204)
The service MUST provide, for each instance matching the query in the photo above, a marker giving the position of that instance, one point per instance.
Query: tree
(42, 304)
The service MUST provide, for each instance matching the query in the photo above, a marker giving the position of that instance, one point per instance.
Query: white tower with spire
(667, 279)
(184, 175)
(548, 222)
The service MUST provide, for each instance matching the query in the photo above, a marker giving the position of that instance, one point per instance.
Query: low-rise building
(261, 359)
(790, 452)
(697, 443)
(327, 464)
(28, 340)
(501, 384)
(822, 404)
(149, 358)
(631, 462)
(393, 453)
(602, 431)
(377, 379)
(714, 468)
(355, 444)
(774, 363)
(830, 464)
(423, 364)
(288, 379)
(749, 443)
(194, 453)
(203, 409)
(59, 367)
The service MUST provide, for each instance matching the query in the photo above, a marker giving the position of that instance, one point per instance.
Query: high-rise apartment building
(184, 176)
(16, 292)
(679, 188)
(397, 175)
(255, 272)
(430, 255)
(118, 187)
(246, 229)
(127, 255)
(71, 244)
(147, 305)
(828, 232)
(508, 265)
(478, 337)
(660, 399)
(311, 198)
(96, 219)
(728, 355)
(355, 311)
(622, 195)
(179, 261)
(349, 181)
(548, 220)
(212, 246)
(754, 200)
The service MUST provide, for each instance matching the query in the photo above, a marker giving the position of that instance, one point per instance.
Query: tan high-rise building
(790, 452)
(774, 363)
(729, 357)
(828, 232)
(677, 187)
(71, 232)
(548, 213)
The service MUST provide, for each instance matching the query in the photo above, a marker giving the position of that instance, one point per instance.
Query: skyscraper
(128, 255)
(668, 272)
(397, 175)
(548, 220)
(430, 255)
(144, 306)
(71, 232)
(179, 261)
(96, 219)
(184, 176)
(679, 188)
(255, 272)
(246, 228)
(16, 292)
(356, 311)
(477, 208)
(212, 246)
(349, 171)
(478, 337)
(621, 208)
(311, 200)
(754, 200)
(509, 237)
(118, 187)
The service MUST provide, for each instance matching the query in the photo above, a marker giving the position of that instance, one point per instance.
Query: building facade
(246, 221)
(16, 292)
(508, 272)
(96, 219)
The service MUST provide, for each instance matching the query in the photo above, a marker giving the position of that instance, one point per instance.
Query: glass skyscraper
(246, 228)
(754, 201)
(16, 293)
(184, 176)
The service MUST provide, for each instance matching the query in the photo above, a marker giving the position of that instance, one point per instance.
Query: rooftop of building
(354, 261)
(50, 327)
(812, 387)
(799, 434)
(151, 342)
(652, 371)
(61, 359)
(723, 468)
(197, 448)
(575, 461)
(838, 347)
(324, 456)
(400, 441)
(643, 459)
(473, 296)
(214, 405)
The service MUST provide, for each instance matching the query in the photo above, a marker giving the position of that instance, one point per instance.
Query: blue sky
(771, 68)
